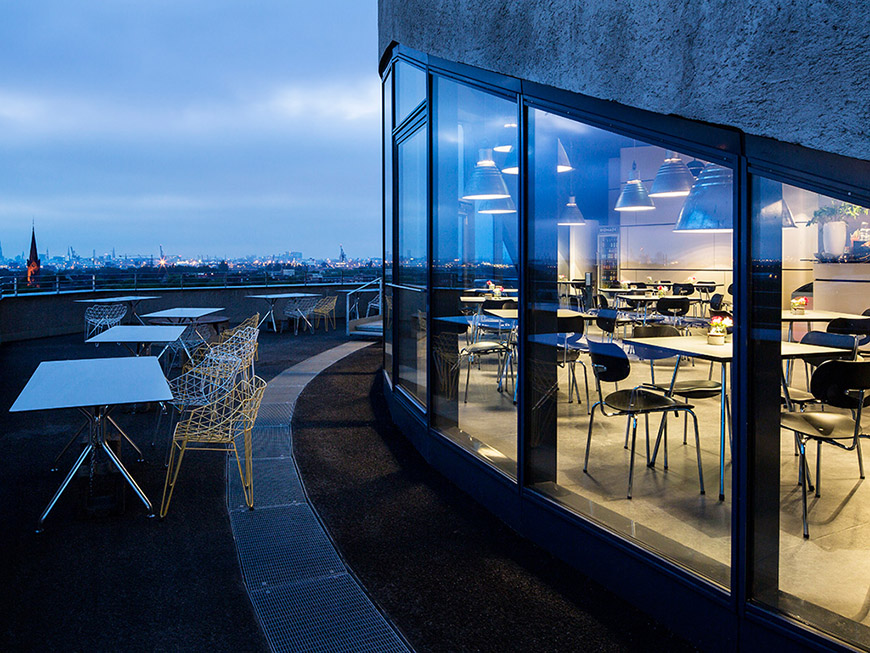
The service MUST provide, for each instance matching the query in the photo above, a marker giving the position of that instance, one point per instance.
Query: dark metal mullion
(523, 432)
(430, 218)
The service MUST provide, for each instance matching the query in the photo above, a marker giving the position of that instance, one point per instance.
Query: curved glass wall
(475, 271)
(812, 512)
(630, 264)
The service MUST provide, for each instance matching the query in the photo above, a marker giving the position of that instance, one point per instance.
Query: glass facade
(617, 316)
(387, 309)
(475, 248)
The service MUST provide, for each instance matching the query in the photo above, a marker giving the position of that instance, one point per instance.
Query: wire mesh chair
(216, 427)
(99, 317)
(325, 308)
(300, 311)
(190, 342)
(374, 304)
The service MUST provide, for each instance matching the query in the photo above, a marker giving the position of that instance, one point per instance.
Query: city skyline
(210, 129)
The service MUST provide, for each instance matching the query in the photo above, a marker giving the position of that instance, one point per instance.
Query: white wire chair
(374, 304)
(300, 311)
(193, 339)
(99, 317)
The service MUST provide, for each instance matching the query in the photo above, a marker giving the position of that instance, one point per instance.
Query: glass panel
(411, 301)
(386, 309)
(823, 569)
(630, 261)
(475, 246)
(410, 89)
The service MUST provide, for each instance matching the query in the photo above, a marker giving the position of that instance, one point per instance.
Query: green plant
(838, 212)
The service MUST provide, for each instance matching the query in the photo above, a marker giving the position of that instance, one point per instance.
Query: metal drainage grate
(275, 484)
(271, 442)
(325, 614)
(275, 414)
(283, 545)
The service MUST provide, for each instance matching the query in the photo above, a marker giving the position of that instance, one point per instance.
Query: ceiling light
(497, 207)
(486, 182)
(634, 196)
(511, 164)
(695, 167)
(503, 148)
(708, 207)
(571, 215)
(673, 179)
(563, 164)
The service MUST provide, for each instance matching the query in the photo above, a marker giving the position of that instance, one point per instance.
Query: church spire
(33, 261)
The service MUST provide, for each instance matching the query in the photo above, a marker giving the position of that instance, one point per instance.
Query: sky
(215, 128)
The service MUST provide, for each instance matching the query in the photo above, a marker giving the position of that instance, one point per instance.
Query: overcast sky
(214, 127)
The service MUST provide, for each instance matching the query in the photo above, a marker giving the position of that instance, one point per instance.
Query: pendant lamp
(673, 179)
(511, 163)
(486, 182)
(634, 196)
(570, 215)
(695, 167)
(496, 207)
(563, 164)
(708, 207)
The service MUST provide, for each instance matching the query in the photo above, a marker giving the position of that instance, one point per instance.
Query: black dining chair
(610, 364)
(607, 320)
(673, 308)
(683, 289)
(795, 397)
(841, 384)
(851, 326)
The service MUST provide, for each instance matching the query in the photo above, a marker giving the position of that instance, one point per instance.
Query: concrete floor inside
(667, 513)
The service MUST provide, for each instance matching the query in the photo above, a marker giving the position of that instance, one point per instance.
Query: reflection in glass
(410, 296)
(410, 89)
(813, 528)
(620, 310)
(475, 272)
(387, 304)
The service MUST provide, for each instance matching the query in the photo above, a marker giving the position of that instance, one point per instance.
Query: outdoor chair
(325, 309)
(610, 364)
(99, 317)
(300, 311)
(374, 304)
(193, 339)
(841, 384)
(217, 426)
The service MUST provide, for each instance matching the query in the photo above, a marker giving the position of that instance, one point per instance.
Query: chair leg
(467, 379)
(698, 450)
(589, 439)
(633, 420)
(171, 472)
(860, 459)
(245, 475)
(818, 468)
(803, 463)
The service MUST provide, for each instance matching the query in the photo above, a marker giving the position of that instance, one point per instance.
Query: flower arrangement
(661, 291)
(623, 283)
(798, 305)
(720, 325)
(490, 285)
(497, 291)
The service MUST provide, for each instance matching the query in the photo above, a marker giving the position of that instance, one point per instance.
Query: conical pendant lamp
(709, 204)
(486, 182)
(511, 163)
(673, 179)
(563, 164)
(571, 215)
(634, 196)
(695, 167)
(497, 207)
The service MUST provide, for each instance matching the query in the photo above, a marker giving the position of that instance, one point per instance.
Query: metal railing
(352, 300)
(16, 285)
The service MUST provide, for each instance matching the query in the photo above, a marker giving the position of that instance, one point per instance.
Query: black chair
(673, 308)
(607, 320)
(611, 365)
(842, 384)
(600, 301)
(718, 303)
(683, 289)
(851, 326)
(795, 397)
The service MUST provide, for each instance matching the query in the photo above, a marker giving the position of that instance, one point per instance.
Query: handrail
(400, 287)
(347, 307)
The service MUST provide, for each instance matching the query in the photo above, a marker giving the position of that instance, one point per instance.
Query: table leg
(722, 434)
(127, 438)
(272, 316)
(66, 481)
(127, 477)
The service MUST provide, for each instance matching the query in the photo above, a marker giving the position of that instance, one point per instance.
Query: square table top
(513, 314)
(183, 313)
(138, 334)
(486, 291)
(698, 347)
(472, 299)
(93, 382)
(112, 300)
(819, 316)
(283, 295)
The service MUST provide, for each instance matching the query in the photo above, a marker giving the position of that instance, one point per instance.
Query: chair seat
(799, 396)
(700, 389)
(484, 346)
(819, 425)
(644, 401)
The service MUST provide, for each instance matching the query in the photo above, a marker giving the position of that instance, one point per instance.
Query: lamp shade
(695, 167)
(499, 206)
(571, 215)
(709, 204)
(634, 196)
(563, 164)
(673, 179)
(486, 182)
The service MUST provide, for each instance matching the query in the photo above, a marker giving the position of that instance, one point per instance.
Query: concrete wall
(797, 71)
(40, 316)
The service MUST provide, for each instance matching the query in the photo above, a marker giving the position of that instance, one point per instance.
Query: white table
(697, 347)
(273, 298)
(182, 315)
(132, 300)
(487, 291)
(141, 337)
(810, 316)
(94, 386)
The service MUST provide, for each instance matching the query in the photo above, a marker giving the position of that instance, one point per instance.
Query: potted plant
(661, 291)
(497, 291)
(832, 221)
(718, 330)
(798, 305)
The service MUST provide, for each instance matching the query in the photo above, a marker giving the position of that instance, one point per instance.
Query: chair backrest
(640, 285)
(672, 306)
(606, 320)
(853, 326)
(253, 321)
(866, 312)
(706, 286)
(684, 289)
(609, 361)
(509, 304)
(306, 305)
(716, 301)
(647, 352)
(326, 304)
(824, 339)
(600, 301)
(834, 383)
(572, 324)
(730, 289)
(108, 312)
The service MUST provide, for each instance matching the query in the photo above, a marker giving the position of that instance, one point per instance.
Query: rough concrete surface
(794, 70)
